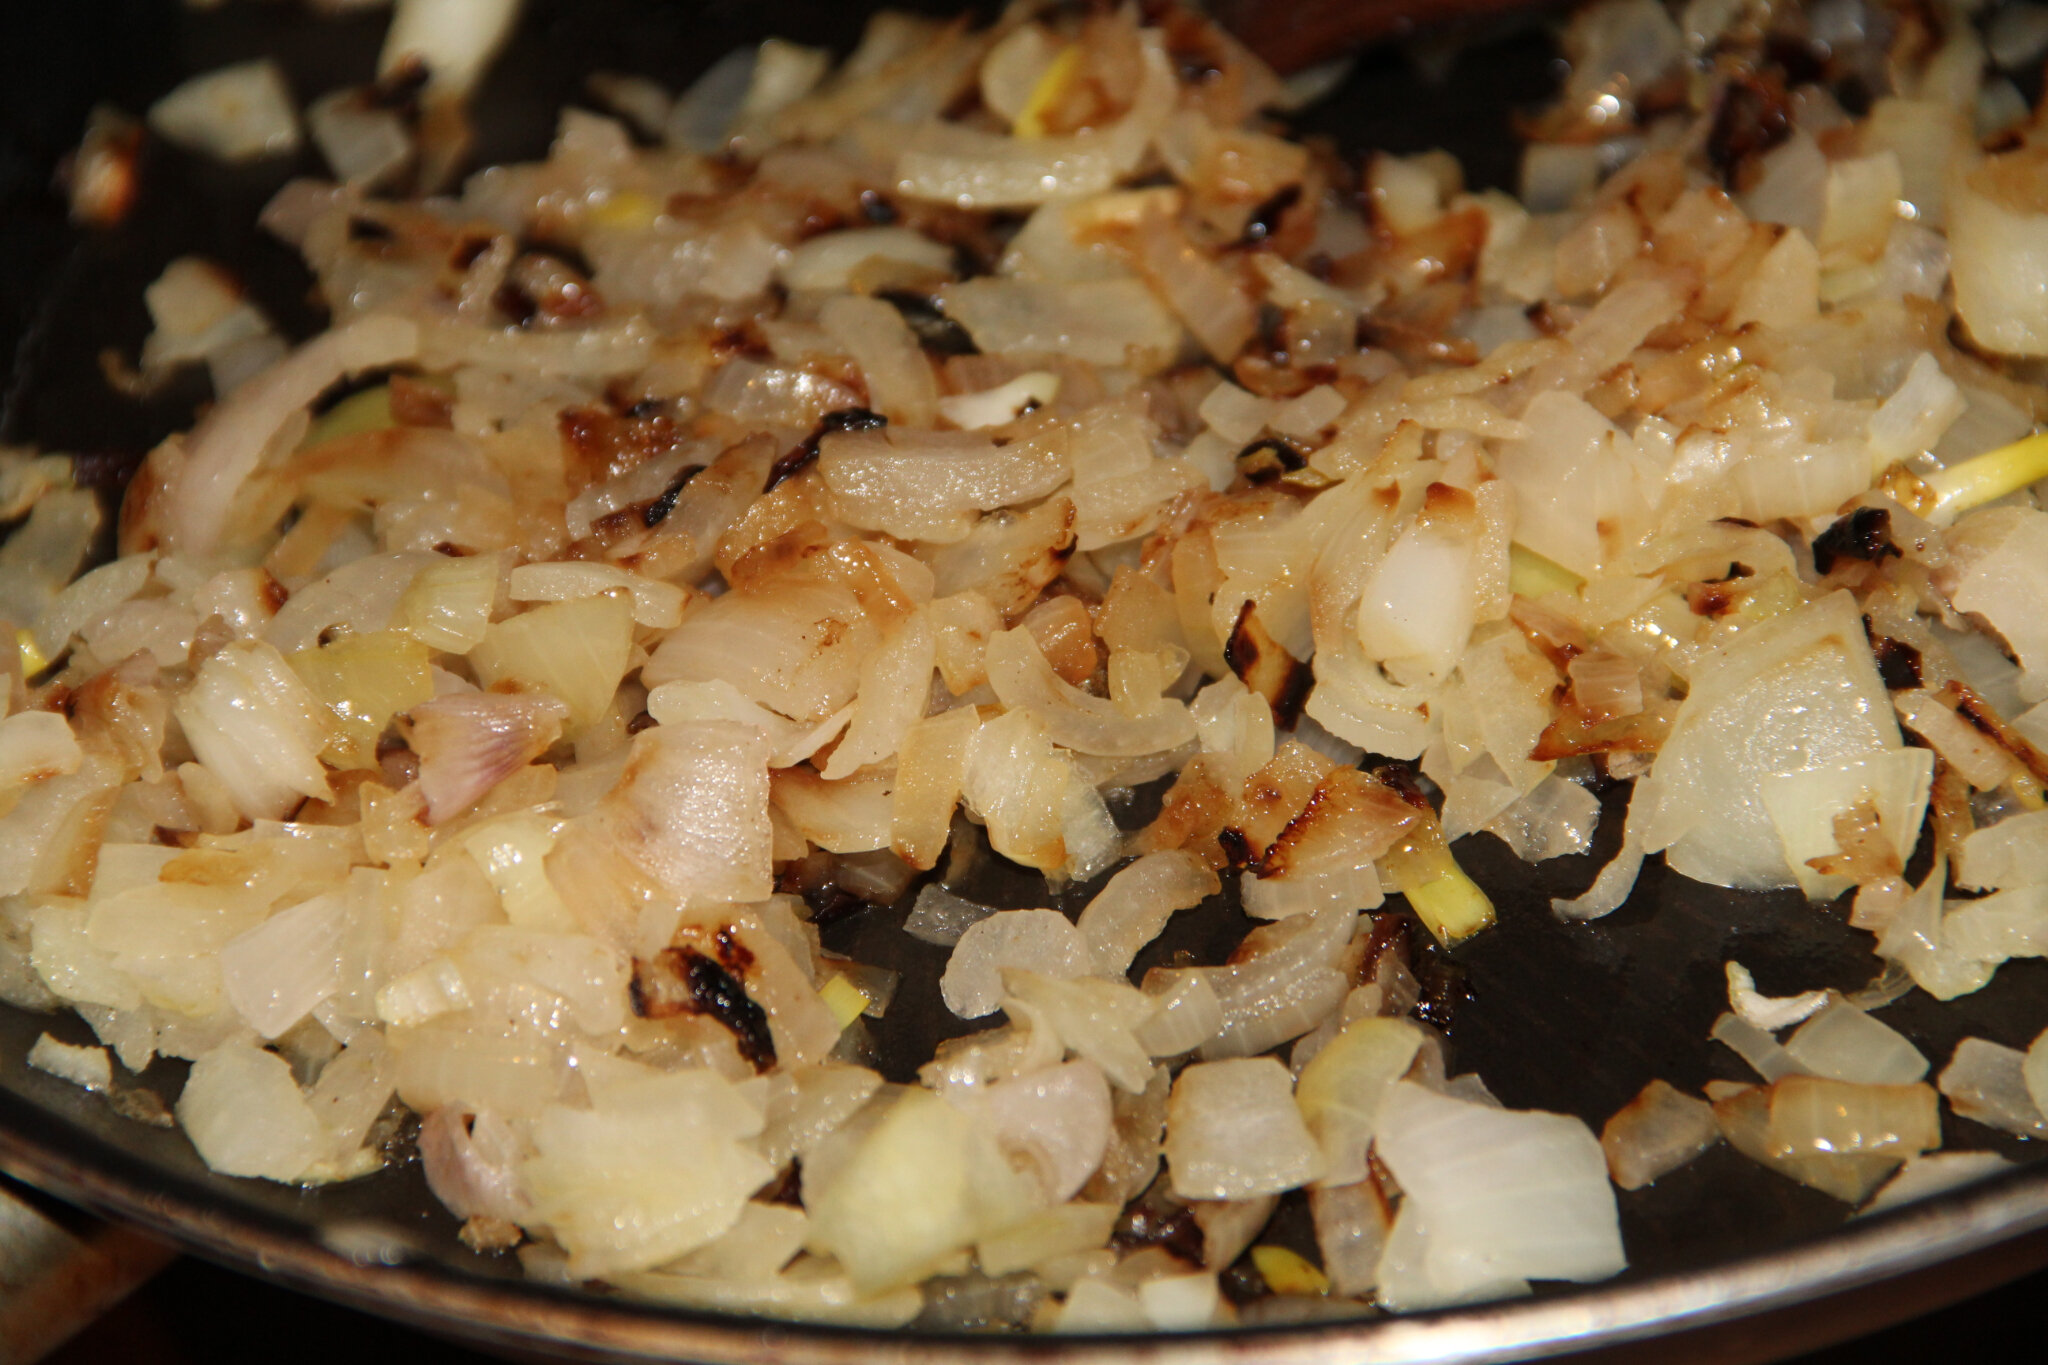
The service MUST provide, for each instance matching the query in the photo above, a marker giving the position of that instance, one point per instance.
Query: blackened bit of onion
(1443, 983)
(1898, 663)
(1154, 1221)
(1403, 779)
(935, 332)
(1242, 1283)
(1864, 534)
(1754, 117)
(657, 511)
(1265, 219)
(1235, 845)
(684, 981)
(1267, 459)
(1263, 664)
(805, 453)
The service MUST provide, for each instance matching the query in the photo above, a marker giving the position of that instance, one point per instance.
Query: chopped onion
(1491, 1198)
(1767, 1012)
(277, 972)
(246, 1116)
(1845, 1044)
(1655, 1133)
(1130, 911)
(603, 1181)
(1924, 1176)
(1987, 1083)
(1342, 1087)
(691, 811)
(1043, 941)
(468, 744)
(454, 39)
(1233, 1131)
(237, 113)
(88, 1067)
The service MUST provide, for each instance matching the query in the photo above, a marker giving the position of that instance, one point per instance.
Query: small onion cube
(1233, 1131)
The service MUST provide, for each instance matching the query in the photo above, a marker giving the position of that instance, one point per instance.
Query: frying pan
(1729, 1262)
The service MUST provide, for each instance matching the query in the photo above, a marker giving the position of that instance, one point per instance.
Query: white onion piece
(277, 972)
(1024, 680)
(1054, 1122)
(1811, 1115)
(1998, 240)
(1916, 937)
(200, 476)
(363, 144)
(2011, 853)
(256, 727)
(1987, 1083)
(35, 746)
(1845, 1044)
(469, 743)
(1043, 941)
(1130, 911)
(851, 815)
(1769, 1013)
(1803, 807)
(794, 647)
(1004, 403)
(938, 916)
(245, 1114)
(1793, 694)
(691, 811)
(1284, 985)
(924, 1181)
(471, 1163)
(2035, 1071)
(829, 260)
(926, 485)
(1610, 888)
(1655, 1133)
(656, 604)
(89, 1068)
(237, 113)
(972, 169)
(1756, 1047)
(1491, 1196)
(606, 1182)
(1342, 1087)
(1185, 1015)
(899, 378)
(1998, 572)
(1233, 1131)
(1094, 1017)
(455, 39)
(1113, 322)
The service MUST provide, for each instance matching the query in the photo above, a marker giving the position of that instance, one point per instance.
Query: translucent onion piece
(1130, 911)
(237, 113)
(691, 811)
(605, 1182)
(1655, 1133)
(1022, 678)
(1342, 1087)
(1043, 941)
(1491, 1197)
(246, 1116)
(189, 489)
(1233, 1131)
(1845, 1044)
(1987, 1083)
(469, 743)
